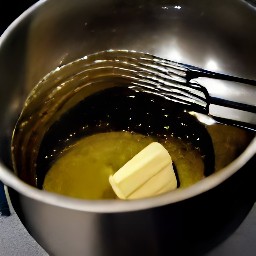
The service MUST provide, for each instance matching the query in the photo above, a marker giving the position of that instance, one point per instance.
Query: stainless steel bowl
(220, 37)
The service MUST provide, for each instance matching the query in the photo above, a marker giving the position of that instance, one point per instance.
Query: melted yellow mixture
(84, 169)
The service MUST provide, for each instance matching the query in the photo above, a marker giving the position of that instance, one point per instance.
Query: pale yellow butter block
(164, 181)
(148, 173)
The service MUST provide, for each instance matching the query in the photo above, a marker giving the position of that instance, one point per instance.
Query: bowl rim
(114, 206)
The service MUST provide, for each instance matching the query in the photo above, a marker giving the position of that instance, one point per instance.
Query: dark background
(10, 10)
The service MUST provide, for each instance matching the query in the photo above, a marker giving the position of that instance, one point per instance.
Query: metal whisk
(219, 95)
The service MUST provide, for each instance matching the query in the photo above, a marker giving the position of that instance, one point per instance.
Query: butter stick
(148, 173)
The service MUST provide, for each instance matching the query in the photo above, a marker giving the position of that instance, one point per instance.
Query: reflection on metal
(211, 65)
(251, 3)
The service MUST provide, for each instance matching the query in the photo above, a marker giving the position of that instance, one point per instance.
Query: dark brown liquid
(123, 109)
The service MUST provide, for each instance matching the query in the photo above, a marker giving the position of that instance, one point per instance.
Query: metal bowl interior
(52, 33)
(49, 35)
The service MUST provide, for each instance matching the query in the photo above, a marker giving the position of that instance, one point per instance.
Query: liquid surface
(79, 102)
(83, 170)
(105, 130)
